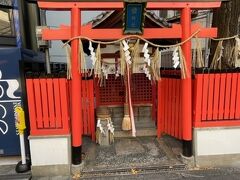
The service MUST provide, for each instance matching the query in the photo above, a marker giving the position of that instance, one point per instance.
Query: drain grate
(131, 170)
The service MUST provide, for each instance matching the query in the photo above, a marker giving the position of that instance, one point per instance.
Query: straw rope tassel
(155, 66)
(237, 52)
(98, 65)
(136, 55)
(199, 58)
(82, 62)
(159, 64)
(216, 61)
(184, 69)
(122, 60)
(69, 67)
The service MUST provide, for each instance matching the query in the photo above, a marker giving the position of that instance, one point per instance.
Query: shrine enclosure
(182, 31)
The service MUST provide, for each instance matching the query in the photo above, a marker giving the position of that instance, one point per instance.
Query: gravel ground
(139, 158)
(126, 153)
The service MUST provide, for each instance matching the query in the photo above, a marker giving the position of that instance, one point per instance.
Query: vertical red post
(159, 108)
(187, 83)
(154, 96)
(77, 125)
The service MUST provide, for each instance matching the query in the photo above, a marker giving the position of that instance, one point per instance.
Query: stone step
(139, 111)
(136, 119)
(141, 126)
(140, 133)
(142, 123)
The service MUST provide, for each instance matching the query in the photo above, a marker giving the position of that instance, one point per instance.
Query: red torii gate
(183, 31)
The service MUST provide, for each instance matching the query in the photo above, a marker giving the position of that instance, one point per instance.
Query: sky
(54, 20)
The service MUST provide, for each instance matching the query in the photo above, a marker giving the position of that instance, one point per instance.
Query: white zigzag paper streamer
(146, 54)
(99, 125)
(110, 126)
(92, 53)
(175, 58)
(126, 52)
(105, 71)
(117, 72)
(146, 71)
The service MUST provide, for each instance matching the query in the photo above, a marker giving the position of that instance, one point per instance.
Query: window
(6, 22)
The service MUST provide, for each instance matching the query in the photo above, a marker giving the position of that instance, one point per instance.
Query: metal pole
(33, 20)
(47, 61)
(47, 56)
(22, 146)
(76, 107)
(187, 84)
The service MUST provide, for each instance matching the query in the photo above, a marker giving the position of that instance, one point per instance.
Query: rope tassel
(183, 66)
(69, 67)
(216, 62)
(98, 64)
(136, 55)
(237, 52)
(199, 56)
(122, 60)
(156, 65)
(82, 67)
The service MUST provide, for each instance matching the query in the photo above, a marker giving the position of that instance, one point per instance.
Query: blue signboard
(10, 96)
(134, 18)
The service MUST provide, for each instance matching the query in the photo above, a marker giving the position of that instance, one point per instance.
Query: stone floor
(197, 174)
(132, 158)
(127, 154)
(8, 172)
(9, 160)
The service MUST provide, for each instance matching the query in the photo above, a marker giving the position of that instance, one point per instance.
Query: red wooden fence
(216, 100)
(169, 107)
(48, 106)
(88, 108)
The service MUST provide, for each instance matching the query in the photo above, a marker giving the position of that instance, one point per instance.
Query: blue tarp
(10, 95)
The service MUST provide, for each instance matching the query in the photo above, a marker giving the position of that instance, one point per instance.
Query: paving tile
(128, 146)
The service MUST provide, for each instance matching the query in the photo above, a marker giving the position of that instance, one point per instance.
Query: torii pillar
(186, 84)
(76, 102)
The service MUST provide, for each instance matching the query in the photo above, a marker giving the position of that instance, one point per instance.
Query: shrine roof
(113, 19)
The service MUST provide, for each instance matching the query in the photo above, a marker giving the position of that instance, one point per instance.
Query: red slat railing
(169, 103)
(49, 106)
(217, 101)
(88, 107)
